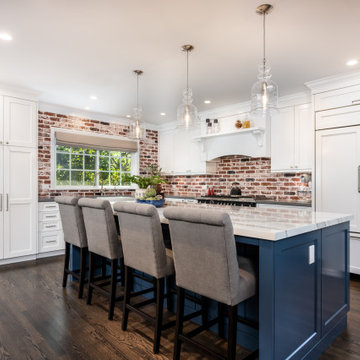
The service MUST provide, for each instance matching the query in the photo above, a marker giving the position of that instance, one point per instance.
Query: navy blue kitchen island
(303, 286)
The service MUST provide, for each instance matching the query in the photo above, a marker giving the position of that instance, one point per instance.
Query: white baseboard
(31, 257)
(50, 253)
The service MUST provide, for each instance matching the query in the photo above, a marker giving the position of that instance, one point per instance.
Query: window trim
(53, 186)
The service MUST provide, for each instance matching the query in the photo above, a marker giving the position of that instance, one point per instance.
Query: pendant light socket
(264, 9)
(187, 47)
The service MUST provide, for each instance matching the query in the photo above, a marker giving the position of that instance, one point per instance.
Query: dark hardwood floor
(41, 320)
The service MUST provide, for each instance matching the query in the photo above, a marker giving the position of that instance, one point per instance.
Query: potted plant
(143, 182)
(150, 197)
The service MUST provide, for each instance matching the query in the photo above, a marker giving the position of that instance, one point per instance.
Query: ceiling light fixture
(128, 116)
(163, 114)
(352, 62)
(87, 108)
(207, 101)
(264, 93)
(5, 37)
(187, 115)
(137, 127)
(93, 97)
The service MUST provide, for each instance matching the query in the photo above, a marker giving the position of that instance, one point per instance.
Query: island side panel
(335, 275)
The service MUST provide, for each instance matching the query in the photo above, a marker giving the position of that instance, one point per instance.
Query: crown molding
(91, 115)
(19, 92)
(334, 82)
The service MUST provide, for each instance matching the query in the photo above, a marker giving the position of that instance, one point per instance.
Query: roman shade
(85, 140)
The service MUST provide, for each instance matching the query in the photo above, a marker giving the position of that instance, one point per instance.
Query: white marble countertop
(269, 223)
(272, 223)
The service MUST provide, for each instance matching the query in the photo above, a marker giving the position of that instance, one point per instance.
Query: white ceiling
(71, 49)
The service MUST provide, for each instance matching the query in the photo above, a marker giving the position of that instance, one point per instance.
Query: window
(79, 167)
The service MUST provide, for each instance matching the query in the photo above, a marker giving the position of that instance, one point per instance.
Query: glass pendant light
(187, 114)
(264, 93)
(137, 127)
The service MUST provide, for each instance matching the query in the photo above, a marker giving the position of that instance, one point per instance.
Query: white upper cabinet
(345, 96)
(19, 122)
(180, 153)
(292, 139)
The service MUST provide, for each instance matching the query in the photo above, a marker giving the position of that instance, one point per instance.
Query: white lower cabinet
(51, 236)
(19, 201)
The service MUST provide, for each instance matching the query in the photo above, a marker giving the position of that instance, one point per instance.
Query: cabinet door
(20, 187)
(1, 120)
(304, 137)
(181, 151)
(337, 162)
(2, 207)
(20, 122)
(282, 140)
(166, 147)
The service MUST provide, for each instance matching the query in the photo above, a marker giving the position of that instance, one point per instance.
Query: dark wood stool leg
(114, 264)
(66, 263)
(103, 267)
(128, 285)
(122, 271)
(91, 276)
(232, 330)
(221, 325)
(159, 313)
(83, 252)
(179, 322)
(205, 311)
(169, 295)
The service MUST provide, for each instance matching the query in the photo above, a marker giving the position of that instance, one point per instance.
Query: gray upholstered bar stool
(75, 235)
(144, 250)
(205, 260)
(104, 241)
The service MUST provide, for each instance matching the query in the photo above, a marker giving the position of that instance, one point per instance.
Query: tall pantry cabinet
(18, 176)
(337, 175)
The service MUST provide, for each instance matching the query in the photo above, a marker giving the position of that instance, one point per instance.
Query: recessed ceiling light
(207, 101)
(93, 97)
(128, 116)
(5, 37)
(87, 108)
(352, 62)
(162, 114)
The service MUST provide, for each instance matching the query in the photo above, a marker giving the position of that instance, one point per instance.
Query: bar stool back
(74, 234)
(103, 240)
(144, 250)
(206, 263)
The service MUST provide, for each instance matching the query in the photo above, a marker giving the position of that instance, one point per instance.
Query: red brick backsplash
(253, 174)
(148, 149)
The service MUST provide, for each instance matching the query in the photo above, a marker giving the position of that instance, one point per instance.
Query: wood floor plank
(41, 320)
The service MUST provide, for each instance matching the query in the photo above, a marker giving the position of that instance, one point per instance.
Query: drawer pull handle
(50, 216)
(50, 226)
(51, 241)
(356, 101)
(50, 206)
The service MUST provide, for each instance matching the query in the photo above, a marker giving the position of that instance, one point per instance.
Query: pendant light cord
(264, 39)
(137, 91)
(187, 70)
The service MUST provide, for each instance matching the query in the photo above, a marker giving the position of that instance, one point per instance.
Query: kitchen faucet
(102, 182)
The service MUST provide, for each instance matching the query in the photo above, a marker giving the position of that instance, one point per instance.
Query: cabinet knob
(7, 143)
(291, 167)
(296, 166)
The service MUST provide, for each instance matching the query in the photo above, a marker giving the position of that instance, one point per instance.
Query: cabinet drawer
(49, 215)
(50, 241)
(337, 98)
(49, 226)
(48, 206)
(347, 116)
